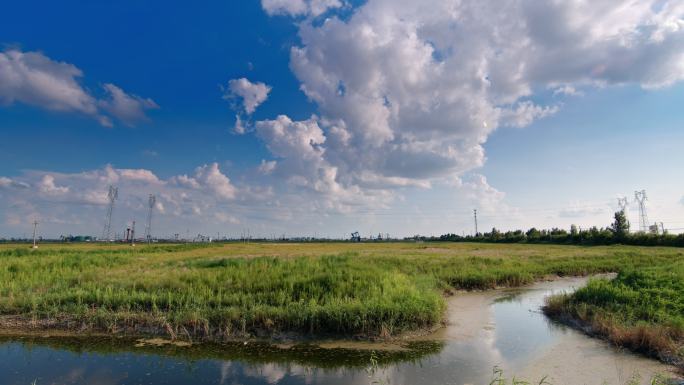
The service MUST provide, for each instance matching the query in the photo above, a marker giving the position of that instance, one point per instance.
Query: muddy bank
(513, 333)
(152, 325)
(649, 341)
(500, 328)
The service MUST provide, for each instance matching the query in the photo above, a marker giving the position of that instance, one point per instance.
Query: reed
(228, 290)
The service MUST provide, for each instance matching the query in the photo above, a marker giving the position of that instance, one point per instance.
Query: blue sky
(375, 116)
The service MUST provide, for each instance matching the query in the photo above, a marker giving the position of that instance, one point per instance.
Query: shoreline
(64, 326)
(643, 340)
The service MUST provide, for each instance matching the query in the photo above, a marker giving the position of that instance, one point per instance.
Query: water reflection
(503, 328)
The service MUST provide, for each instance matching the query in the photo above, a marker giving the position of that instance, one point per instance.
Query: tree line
(616, 233)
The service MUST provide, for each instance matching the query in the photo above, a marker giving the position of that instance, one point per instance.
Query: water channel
(499, 328)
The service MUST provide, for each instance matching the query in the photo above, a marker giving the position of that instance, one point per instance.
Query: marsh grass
(220, 291)
(641, 309)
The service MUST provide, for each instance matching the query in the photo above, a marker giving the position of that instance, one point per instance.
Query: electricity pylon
(112, 196)
(640, 198)
(148, 226)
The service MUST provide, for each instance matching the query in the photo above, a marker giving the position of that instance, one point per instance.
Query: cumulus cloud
(209, 178)
(239, 126)
(408, 92)
(478, 191)
(567, 90)
(35, 79)
(140, 175)
(10, 183)
(299, 7)
(205, 200)
(299, 145)
(300, 149)
(47, 186)
(129, 109)
(525, 113)
(251, 94)
(79, 198)
(267, 167)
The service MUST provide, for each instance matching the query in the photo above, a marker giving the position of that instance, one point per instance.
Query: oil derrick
(355, 237)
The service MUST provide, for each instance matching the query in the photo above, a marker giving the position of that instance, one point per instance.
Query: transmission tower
(148, 226)
(35, 226)
(133, 234)
(475, 215)
(640, 198)
(622, 203)
(112, 196)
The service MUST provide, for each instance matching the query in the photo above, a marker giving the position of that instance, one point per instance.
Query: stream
(498, 328)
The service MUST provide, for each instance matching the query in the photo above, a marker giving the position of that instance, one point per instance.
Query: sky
(324, 117)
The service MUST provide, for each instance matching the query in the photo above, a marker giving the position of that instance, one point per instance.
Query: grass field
(221, 290)
(642, 309)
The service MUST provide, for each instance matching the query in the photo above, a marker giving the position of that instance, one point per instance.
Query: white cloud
(129, 109)
(35, 79)
(208, 178)
(267, 167)
(487, 198)
(78, 199)
(10, 183)
(239, 126)
(408, 92)
(577, 209)
(525, 113)
(47, 185)
(300, 149)
(299, 7)
(251, 94)
(140, 175)
(567, 90)
(211, 176)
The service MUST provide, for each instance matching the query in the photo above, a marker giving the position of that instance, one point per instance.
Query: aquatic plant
(641, 309)
(269, 289)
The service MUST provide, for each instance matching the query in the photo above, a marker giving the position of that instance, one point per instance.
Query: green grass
(235, 289)
(642, 309)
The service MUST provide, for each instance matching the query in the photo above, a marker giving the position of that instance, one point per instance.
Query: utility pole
(475, 215)
(35, 226)
(112, 195)
(640, 198)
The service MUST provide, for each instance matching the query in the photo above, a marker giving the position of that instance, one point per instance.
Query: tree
(620, 227)
(573, 230)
